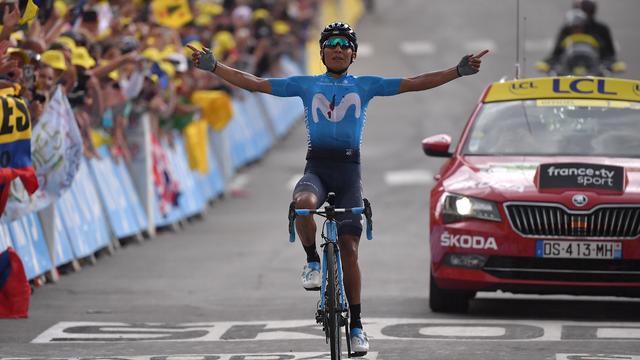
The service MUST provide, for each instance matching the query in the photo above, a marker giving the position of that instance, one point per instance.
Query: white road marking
(618, 333)
(539, 45)
(243, 356)
(596, 357)
(417, 47)
(377, 328)
(463, 331)
(365, 49)
(475, 46)
(291, 184)
(408, 177)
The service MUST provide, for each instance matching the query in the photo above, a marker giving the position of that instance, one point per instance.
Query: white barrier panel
(94, 224)
(191, 201)
(135, 205)
(67, 207)
(56, 235)
(30, 244)
(258, 122)
(141, 167)
(116, 204)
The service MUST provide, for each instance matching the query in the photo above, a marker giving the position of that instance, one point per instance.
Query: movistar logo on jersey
(332, 111)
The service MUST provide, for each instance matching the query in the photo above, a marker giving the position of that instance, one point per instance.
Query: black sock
(312, 253)
(354, 310)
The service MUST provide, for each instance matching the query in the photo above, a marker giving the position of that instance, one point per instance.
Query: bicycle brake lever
(368, 214)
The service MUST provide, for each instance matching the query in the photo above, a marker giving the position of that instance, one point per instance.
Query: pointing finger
(481, 54)
(192, 48)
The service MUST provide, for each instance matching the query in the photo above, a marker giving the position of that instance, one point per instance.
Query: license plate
(579, 249)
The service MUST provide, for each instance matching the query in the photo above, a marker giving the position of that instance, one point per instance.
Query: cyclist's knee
(305, 200)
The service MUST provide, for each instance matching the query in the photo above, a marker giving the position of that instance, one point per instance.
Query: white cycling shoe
(359, 342)
(311, 279)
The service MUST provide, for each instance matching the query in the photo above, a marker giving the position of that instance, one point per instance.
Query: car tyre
(448, 301)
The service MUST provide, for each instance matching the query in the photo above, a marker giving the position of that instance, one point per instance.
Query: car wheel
(448, 301)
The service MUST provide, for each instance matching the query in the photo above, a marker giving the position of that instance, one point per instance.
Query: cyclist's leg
(309, 193)
(349, 231)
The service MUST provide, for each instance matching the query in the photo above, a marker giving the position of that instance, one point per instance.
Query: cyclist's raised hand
(470, 64)
(203, 59)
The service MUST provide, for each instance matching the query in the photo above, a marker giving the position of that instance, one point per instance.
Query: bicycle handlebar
(330, 210)
(355, 210)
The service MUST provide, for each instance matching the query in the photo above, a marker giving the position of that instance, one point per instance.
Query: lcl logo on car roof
(580, 199)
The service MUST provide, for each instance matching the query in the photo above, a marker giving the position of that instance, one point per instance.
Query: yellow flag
(172, 13)
(216, 106)
(197, 143)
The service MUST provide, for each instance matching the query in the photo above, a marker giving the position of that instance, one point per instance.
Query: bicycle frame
(330, 239)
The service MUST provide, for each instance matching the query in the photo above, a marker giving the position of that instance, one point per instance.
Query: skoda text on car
(541, 194)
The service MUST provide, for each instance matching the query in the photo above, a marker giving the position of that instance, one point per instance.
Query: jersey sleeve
(379, 86)
(288, 87)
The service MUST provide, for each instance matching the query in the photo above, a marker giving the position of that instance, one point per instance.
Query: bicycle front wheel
(333, 312)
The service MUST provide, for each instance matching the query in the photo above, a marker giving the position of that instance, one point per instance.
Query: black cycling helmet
(588, 6)
(339, 29)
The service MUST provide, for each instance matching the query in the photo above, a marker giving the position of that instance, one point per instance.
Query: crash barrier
(110, 201)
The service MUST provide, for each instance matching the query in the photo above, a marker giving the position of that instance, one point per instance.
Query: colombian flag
(15, 145)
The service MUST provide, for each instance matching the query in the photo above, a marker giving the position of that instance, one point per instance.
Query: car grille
(551, 220)
(580, 270)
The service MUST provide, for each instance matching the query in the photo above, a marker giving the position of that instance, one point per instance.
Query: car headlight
(457, 208)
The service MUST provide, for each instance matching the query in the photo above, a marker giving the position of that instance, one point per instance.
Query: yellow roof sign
(567, 87)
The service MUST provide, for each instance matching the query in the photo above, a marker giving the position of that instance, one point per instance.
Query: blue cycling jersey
(335, 108)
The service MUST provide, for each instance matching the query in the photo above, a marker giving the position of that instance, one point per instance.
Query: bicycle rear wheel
(332, 305)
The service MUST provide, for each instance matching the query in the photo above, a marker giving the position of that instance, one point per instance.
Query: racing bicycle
(333, 309)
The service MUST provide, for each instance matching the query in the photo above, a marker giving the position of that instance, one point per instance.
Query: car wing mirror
(437, 145)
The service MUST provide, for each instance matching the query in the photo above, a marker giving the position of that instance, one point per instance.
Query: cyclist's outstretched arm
(470, 64)
(204, 60)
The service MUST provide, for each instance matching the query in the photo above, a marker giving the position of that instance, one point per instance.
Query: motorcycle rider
(581, 19)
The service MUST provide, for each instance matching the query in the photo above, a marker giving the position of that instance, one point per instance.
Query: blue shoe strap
(314, 265)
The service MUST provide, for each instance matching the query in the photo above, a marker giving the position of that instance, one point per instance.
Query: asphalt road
(227, 286)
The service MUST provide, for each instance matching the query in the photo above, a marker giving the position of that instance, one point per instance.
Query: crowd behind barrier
(126, 137)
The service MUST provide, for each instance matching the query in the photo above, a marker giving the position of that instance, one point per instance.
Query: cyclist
(335, 104)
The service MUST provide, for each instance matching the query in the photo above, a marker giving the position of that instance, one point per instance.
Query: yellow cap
(80, 56)
(61, 7)
(260, 14)
(20, 52)
(55, 59)
(67, 41)
(203, 20)
(223, 41)
(212, 9)
(168, 68)
(17, 36)
(152, 54)
(114, 75)
(281, 27)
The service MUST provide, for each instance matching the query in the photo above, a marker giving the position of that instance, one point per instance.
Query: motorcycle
(581, 58)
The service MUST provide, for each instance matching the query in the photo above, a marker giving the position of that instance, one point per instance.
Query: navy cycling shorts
(342, 178)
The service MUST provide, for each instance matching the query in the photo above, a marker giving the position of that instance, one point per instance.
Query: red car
(541, 194)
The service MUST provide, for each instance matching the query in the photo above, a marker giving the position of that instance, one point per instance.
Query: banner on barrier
(94, 224)
(117, 205)
(56, 152)
(67, 207)
(191, 201)
(30, 244)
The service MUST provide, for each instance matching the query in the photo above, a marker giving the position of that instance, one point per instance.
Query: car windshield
(556, 127)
